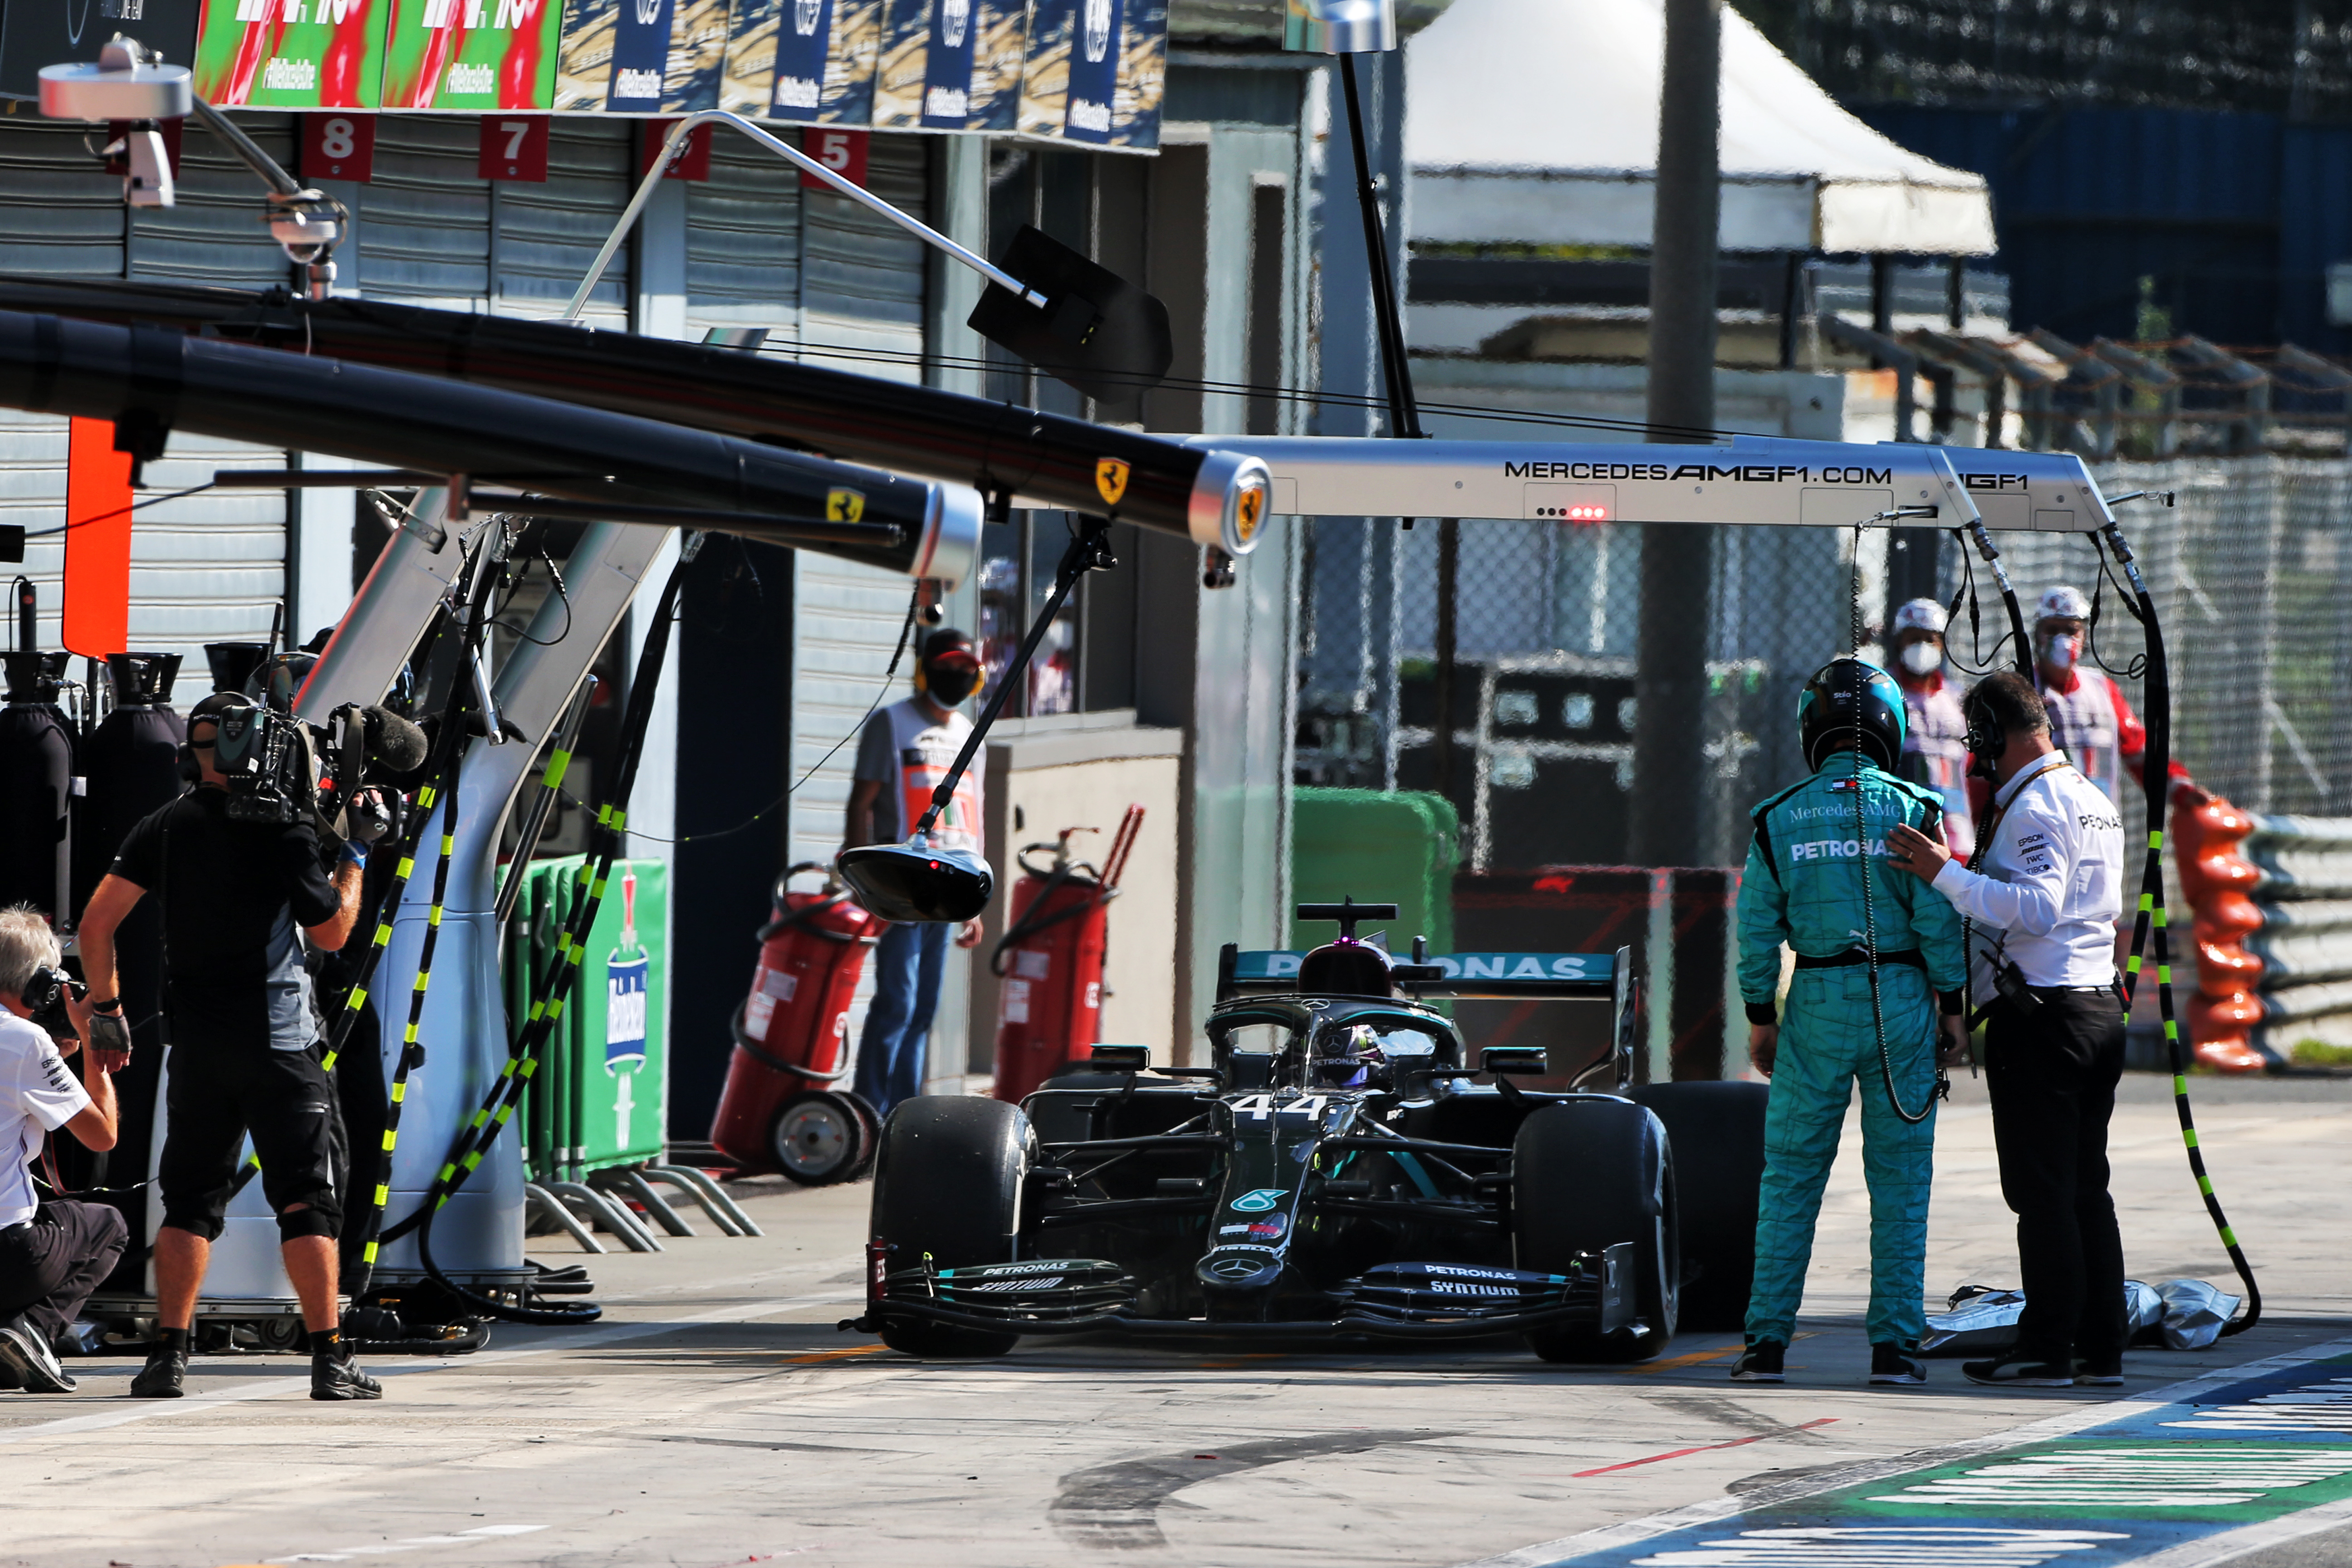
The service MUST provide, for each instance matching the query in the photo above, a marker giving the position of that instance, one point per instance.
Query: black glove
(110, 1032)
(369, 816)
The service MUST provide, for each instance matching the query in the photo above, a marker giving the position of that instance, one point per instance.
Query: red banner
(96, 609)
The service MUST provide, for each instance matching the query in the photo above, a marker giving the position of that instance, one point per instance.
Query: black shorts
(219, 1092)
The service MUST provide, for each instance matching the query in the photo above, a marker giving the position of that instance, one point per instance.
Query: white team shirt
(2051, 884)
(39, 1094)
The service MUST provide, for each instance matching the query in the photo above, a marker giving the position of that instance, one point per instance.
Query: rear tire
(818, 1138)
(1717, 1134)
(1588, 1175)
(948, 1184)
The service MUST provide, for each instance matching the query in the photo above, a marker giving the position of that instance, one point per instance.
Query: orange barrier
(2215, 880)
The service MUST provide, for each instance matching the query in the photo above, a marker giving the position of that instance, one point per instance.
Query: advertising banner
(1095, 72)
(809, 61)
(951, 65)
(640, 57)
(291, 54)
(33, 36)
(471, 56)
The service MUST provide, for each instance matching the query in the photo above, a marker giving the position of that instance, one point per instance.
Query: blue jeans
(906, 965)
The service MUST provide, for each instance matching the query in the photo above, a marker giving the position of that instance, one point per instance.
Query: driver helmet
(1826, 711)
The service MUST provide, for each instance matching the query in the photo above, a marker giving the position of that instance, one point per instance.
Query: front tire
(1588, 1175)
(947, 1185)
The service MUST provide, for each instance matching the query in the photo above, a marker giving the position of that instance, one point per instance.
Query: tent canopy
(1536, 122)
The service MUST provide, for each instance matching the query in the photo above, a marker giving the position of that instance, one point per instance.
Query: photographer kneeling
(54, 1254)
(243, 1042)
(2044, 906)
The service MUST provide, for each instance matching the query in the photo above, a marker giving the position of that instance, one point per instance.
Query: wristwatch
(111, 1004)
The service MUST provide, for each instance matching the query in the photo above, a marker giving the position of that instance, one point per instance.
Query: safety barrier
(2272, 897)
(595, 1112)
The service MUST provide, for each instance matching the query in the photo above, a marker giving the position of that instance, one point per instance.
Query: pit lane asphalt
(715, 1416)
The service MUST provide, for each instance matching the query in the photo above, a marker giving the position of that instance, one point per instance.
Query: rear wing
(1474, 976)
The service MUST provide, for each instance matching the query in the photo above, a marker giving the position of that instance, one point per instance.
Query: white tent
(1536, 122)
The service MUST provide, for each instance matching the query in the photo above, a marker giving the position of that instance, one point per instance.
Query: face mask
(2059, 651)
(949, 686)
(1922, 659)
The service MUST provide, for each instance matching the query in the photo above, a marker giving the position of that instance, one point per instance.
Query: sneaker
(162, 1376)
(1893, 1363)
(2099, 1371)
(340, 1377)
(28, 1354)
(2017, 1371)
(1760, 1362)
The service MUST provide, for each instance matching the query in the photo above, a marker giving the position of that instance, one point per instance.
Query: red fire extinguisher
(784, 1108)
(1049, 1008)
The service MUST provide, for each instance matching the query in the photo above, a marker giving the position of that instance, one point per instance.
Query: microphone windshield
(394, 741)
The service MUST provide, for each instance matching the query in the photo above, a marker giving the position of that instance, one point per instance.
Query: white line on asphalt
(590, 1338)
(2237, 1542)
(1708, 1510)
(410, 1543)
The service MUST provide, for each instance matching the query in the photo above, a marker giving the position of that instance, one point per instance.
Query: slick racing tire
(1587, 1175)
(819, 1138)
(948, 1184)
(1716, 1131)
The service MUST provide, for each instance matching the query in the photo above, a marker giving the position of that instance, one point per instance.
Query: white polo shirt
(39, 1094)
(2052, 883)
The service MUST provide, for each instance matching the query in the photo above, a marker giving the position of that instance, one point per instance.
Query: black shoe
(2099, 1371)
(340, 1377)
(2018, 1371)
(1759, 1363)
(162, 1376)
(1893, 1363)
(26, 1351)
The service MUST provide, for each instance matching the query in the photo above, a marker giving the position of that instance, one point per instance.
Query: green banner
(472, 56)
(291, 54)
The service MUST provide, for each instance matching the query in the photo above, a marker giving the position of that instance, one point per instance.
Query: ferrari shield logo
(1110, 480)
(845, 506)
(1249, 510)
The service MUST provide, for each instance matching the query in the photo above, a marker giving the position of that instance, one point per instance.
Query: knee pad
(323, 1217)
(199, 1221)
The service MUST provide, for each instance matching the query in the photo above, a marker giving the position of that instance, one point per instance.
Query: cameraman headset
(2042, 894)
(52, 1253)
(242, 1035)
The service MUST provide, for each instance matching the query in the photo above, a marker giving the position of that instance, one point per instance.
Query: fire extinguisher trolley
(784, 1108)
(1049, 1007)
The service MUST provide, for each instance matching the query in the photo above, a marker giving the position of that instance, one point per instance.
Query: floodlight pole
(675, 145)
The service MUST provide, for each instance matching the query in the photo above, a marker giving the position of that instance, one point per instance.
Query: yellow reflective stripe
(435, 918)
(2172, 1032)
(556, 762)
(2159, 917)
(447, 1172)
(424, 797)
(480, 1116)
(2131, 965)
(2205, 1186)
(2189, 1136)
(400, 871)
(2156, 838)
(504, 1112)
(2147, 903)
(2228, 1237)
(596, 889)
(382, 1194)
(2179, 1084)
(620, 820)
(356, 1000)
(389, 1134)
(367, 1253)
(448, 844)
(472, 1160)
(555, 1008)
(2164, 975)
(530, 1066)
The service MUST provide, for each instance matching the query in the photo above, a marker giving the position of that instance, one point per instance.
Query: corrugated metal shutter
(743, 243)
(208, 567)
(545, 236)
(425, 216)
(862, 275)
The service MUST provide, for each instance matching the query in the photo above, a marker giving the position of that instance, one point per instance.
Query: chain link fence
(2247, 571)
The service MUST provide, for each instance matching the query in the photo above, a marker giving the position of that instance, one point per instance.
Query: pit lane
(715, 1416)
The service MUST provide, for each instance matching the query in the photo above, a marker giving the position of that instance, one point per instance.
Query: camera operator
(2042, 895)
(244, 1043)
(52, 1255)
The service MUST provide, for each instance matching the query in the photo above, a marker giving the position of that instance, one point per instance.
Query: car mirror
(1121, 1058)
(1522, 1061)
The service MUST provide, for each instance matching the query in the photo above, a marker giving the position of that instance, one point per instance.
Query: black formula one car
(1334, 1172)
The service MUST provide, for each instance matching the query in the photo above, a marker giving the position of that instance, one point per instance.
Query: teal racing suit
(1800, 887)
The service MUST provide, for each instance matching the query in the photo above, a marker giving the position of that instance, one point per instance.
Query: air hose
(2156, 769)
(548, 1000)
(1864, 860)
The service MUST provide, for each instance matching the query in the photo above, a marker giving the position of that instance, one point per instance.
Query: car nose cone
(1234, 1269)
